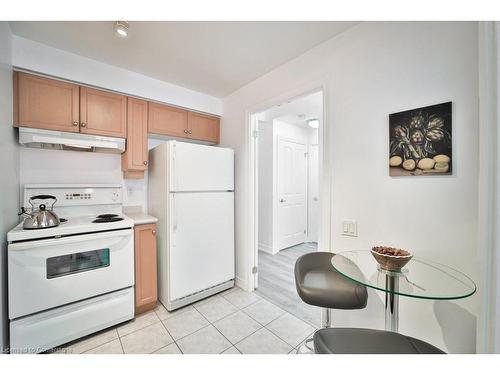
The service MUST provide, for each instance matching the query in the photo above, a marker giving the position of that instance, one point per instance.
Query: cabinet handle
(75, 123)
(145, 162)
(190, 131)
(83, 124)
(154, 231)
(186, 131)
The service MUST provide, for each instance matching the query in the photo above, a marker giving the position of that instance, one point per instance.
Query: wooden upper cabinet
(203, 127)
(103, 113)
(145, 267)
(135, 158)
(166, 120)
(45, 103)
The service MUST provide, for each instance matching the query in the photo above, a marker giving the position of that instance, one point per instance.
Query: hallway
(277, 282)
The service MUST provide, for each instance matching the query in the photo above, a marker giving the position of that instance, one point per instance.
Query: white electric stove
(71, 280)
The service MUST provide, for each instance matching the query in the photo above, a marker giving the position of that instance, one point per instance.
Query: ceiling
(296, 111)
(215, 58)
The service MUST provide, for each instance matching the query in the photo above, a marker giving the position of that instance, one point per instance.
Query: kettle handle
(44, 196)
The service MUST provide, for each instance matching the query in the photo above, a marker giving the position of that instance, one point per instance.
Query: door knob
(282, 200)
(185, 131)
(83, 124)
(75, 123)
(145, 163)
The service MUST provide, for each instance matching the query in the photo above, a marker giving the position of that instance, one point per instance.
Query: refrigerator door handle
(174, 213)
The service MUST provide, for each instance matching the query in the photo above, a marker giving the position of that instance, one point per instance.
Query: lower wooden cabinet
(146, 293)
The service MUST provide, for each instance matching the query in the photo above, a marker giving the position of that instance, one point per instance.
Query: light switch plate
(350, 228)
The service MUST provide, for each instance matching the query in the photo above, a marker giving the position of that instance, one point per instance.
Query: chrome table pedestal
(391, 301)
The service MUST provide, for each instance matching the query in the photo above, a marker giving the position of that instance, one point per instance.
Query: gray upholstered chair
(318, 284)
(368, 341)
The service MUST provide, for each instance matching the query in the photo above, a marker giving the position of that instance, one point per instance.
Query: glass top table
(419, 278)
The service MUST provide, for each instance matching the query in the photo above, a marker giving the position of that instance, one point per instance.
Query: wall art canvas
(420, 141)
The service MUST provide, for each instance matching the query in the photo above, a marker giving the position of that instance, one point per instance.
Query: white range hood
(55, 140)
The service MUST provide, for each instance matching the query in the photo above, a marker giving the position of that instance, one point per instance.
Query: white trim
(266, 248)
(241, 283)
(488, 330)
(324, 172)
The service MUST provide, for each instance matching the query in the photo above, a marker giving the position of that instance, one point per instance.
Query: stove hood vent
(55, 140)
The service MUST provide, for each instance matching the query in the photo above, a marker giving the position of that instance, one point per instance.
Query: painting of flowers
(420, 141)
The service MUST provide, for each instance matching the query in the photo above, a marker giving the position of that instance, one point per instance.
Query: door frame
(277, 187)
(324, 174)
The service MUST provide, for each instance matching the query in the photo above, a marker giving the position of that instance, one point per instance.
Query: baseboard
(266, 248)
(241, 283)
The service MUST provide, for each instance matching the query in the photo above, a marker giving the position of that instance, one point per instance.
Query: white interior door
(292, 192)
(201, 241)
(313, 195)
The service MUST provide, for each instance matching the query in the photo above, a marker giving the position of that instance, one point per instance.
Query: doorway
(287, 199)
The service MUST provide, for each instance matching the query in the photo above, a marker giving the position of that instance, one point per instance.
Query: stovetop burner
(107, 219)
(106, 216)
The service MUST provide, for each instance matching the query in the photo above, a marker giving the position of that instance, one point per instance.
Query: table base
(391, 303)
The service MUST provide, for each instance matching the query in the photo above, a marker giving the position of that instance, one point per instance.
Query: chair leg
(307, 347)
(328, 318)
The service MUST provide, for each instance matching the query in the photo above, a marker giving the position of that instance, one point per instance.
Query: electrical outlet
(350, 228)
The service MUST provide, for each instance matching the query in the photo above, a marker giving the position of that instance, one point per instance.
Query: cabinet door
(45, 103)
(135, 158)
(166, 120)
(103, 113)
(145, 267)
(204, 128)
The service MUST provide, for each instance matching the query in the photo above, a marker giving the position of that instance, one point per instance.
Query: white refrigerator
(191, 192)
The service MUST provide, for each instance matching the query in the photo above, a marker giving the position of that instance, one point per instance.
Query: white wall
(9, 167)
(55, 166)
(30, 55)
(368, 72)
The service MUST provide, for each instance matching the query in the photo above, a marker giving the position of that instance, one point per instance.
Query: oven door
(49, 273)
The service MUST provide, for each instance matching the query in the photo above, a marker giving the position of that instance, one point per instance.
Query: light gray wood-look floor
(277, 282)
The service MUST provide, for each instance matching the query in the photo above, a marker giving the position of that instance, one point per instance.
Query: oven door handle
(28, 245)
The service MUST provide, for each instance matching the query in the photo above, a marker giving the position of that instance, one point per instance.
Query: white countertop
(141, 218)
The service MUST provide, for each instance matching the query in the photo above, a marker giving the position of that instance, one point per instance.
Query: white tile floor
(230, 322)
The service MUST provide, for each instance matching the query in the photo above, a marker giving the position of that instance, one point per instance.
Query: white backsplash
(54, 166)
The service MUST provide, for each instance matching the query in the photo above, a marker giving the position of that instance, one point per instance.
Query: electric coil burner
(107, 218)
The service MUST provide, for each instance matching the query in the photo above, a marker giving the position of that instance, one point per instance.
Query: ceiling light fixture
(313, 123)
(121, 28)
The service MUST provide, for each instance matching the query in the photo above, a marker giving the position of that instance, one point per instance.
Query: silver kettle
(40, 217)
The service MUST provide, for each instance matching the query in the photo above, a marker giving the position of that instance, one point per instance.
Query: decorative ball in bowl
(390, 258)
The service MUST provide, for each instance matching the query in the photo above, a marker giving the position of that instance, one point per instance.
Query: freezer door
(201, 168)
(201, 241)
